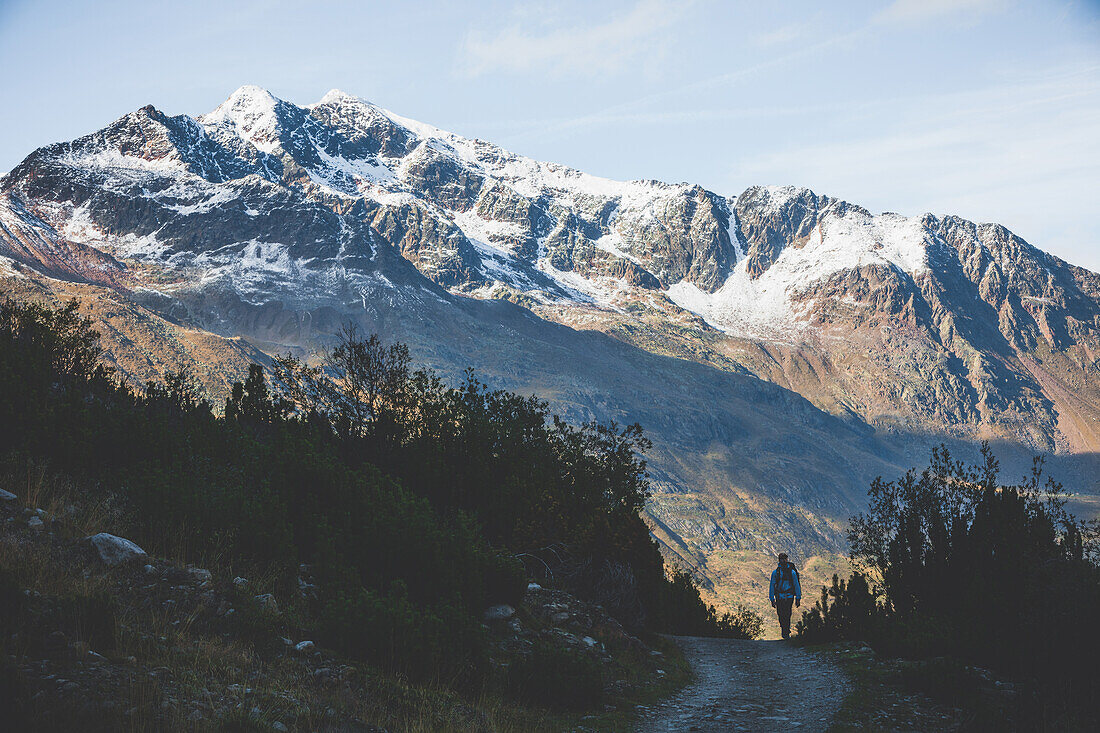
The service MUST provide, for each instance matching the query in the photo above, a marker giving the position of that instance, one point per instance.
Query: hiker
(783, 591)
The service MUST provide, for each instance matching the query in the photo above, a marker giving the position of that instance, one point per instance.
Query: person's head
(782, 558)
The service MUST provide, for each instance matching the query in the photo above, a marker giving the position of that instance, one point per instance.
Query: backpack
(785, 582)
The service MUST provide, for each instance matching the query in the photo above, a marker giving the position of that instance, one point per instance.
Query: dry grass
(199, 669)
(40, 488)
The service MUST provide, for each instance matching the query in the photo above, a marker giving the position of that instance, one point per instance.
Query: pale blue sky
(985, 108)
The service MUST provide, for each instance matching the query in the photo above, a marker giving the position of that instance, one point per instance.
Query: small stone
(589, 641)
(240, 582)
(114, 550)
(35, 523)
(56, 642)
(199, 575)
(278, 726)
(7, 496)
(499, 612)
(267, 602)
(534, 586)
(150, 569)
(304, 646)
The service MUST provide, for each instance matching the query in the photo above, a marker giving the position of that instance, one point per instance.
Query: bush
(556, 677)
(945, 680)
(90, 618)
(741, 623)
(11, 602)
(853, 611)
(440, 642)
(997, 576)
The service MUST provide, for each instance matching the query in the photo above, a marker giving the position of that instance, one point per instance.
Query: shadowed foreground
(751, 686)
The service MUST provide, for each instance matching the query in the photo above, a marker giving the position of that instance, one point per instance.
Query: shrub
(439, 642)
(90, 618)
(853, 611)
(741, 623)
(556, 677)
(997, 576)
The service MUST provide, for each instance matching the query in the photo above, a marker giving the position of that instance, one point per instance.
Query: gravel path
(750, 686)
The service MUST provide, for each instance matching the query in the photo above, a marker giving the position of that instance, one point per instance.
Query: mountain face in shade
(780, 347)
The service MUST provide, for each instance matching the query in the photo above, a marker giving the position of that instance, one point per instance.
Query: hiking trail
(750, 686)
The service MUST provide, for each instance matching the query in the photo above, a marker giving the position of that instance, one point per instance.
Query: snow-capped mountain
(277, 222)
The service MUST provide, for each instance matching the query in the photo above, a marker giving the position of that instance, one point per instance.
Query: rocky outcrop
(441, 178)
(687, 238)
(436, 247)
(26, 239)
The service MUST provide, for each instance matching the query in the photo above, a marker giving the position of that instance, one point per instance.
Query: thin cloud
(912, 12)
(624, 110)
(603, 48)
(1023, 155)
(782, 35)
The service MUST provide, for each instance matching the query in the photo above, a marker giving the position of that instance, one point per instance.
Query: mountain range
(780, 347)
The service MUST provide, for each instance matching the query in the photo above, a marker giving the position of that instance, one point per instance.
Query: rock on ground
(114, 550)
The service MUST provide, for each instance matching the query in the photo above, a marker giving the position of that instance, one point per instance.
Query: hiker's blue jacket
(785, 584)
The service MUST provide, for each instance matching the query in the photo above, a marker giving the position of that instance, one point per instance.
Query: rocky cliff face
(816, 344)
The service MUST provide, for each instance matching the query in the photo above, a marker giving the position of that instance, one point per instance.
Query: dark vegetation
(958, 569)
(418, 504)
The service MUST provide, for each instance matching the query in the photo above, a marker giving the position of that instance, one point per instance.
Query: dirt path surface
(750, 686)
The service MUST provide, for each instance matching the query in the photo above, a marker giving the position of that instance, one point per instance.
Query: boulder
(499, 612)
(304, 647)
(267, 602)
(7, 496)
(114, 550)
(199, 575)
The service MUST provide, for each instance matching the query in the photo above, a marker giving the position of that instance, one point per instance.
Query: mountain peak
(336, 96)
(251, 110)
(248, 95)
